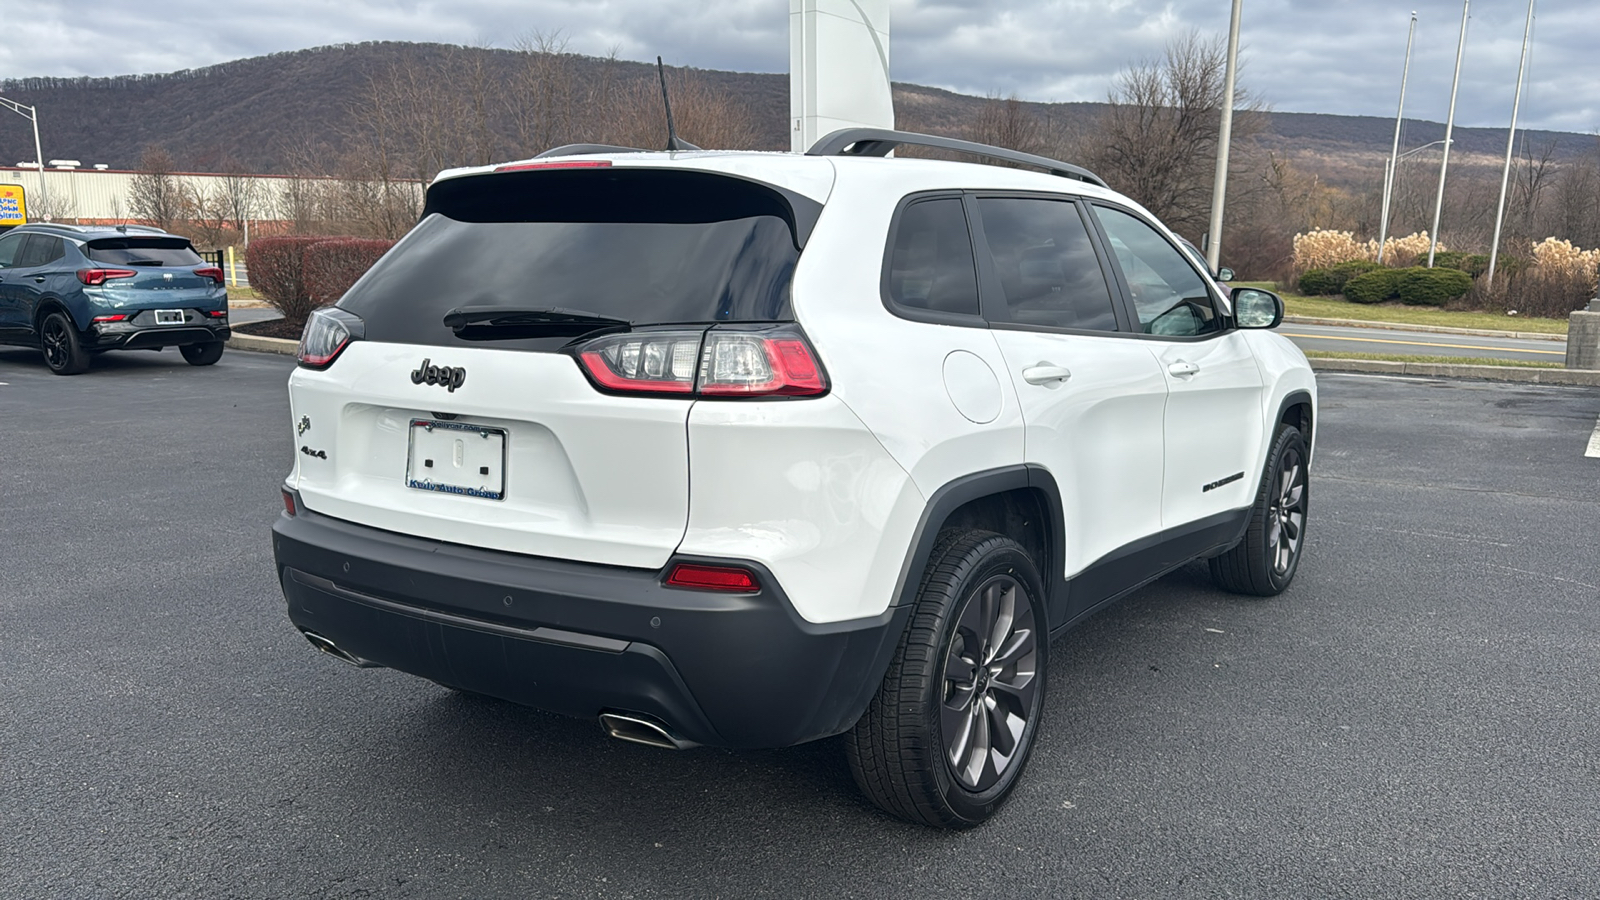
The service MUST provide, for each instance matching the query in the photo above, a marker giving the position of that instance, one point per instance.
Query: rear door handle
(1182, 369)
(1044, 373)
(38, 279)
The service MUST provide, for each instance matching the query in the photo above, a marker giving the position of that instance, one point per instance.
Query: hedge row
(1330, 281)
(1418, 286)
(299, 274)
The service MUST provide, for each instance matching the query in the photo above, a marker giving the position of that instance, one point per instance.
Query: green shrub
(1475, 265)
(1330, 281)
(1448, 259)
(1317, 283)
(1432, 287)
(1374, 287)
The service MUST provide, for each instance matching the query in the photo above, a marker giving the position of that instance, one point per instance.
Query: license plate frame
(169, 316)
(456, 449)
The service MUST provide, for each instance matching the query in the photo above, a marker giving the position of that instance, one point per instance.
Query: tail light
(732, 579)
(328, 331)
(715, 363)
(119, 317)
(212, 272)
(101, 276)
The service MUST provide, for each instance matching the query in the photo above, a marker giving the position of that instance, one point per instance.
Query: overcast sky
(1333, 56)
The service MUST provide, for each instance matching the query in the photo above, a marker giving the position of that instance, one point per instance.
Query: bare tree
(156, 195)
(1157, 142)
(704, 115)
(1007, 123)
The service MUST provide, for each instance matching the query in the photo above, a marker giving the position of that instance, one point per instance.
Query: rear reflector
(567, 164)
(217, 313)
(733, 579)
(101, 276)
(119, 317)
(288, 503)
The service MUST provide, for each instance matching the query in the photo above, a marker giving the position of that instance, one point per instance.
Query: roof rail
(879, 141)
(586, 149)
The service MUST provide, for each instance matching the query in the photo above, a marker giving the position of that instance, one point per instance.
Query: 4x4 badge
(451, 377)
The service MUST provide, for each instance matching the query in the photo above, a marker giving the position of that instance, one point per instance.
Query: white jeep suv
(751, 449)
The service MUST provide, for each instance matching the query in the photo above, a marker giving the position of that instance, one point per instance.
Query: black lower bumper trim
(578, 639)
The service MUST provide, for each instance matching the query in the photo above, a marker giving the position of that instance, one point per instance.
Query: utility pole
(1511, 140)
(1449, 127)
(33, 115)
(1394, 155)
(1219, 185)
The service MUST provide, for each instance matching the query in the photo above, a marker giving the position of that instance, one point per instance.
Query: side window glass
(1049, 274)
(9, 245)
(34, 251)
(53, 251)
(1170, 297)
(931, 265)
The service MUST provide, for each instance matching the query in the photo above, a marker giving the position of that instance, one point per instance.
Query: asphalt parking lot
(1416, 717)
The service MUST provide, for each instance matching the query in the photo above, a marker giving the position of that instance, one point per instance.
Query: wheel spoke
(963, 738)
(1291, 526)
(978, 756)
(1021, 641)
(1020, 686)
(1005, 614)
(1002, 736)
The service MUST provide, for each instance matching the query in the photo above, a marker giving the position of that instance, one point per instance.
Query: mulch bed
(274, 328)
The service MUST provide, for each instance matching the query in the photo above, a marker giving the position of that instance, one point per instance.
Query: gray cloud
(1301, 55)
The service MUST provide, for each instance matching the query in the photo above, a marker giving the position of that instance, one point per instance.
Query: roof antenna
(673, 141)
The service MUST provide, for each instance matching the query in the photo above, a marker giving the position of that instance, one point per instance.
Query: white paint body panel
(589, 477)
(803, 488)
(1099, 434)
(1214, 426)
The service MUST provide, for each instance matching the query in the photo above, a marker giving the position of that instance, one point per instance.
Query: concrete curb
(263, 344)
(1585, 377)
(1437, 329)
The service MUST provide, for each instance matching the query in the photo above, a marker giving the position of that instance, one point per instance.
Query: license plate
(169, 317)
(454, 458)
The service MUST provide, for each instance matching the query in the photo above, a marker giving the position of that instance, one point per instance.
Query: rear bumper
(577, 639)
(105, 337)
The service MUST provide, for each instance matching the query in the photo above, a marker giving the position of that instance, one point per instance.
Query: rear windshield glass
(646, 247)
(143, 251)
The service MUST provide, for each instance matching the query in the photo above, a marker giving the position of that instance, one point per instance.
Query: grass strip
(1443, 360)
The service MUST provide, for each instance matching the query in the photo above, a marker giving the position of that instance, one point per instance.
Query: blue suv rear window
(143, 251)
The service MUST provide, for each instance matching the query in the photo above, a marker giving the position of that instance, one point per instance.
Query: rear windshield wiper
(490, 323)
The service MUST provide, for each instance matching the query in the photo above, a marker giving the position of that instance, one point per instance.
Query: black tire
(1264, 562)
(63, 352)
(201, 354)
(901, 749)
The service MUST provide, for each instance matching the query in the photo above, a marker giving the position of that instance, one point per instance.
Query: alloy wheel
(989, 683)
(1287, 516)
(56, 352)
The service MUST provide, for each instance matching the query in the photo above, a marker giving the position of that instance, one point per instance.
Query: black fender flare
(956, 494)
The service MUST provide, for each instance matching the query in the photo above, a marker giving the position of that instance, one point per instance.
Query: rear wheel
(201, 354)
(949, 733)
(63, 353)
(1264, 562)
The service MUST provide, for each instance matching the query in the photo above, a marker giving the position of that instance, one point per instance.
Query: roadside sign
(13, 206)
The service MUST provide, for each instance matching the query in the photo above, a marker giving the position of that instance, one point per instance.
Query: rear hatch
(139, 272)
(487, 430)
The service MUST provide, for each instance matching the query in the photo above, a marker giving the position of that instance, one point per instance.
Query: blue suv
(74, 291)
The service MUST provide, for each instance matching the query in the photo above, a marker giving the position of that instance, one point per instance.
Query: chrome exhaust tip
(329, 647)
(640, 729)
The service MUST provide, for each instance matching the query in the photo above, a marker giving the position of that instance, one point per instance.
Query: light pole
(1394, 155)
(1219, 185)
(1511, 140)
(1391, 168)
(1449, 126)
(32, 114)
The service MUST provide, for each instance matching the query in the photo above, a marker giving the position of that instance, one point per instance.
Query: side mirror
(1224, 274)
(1255, 308)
